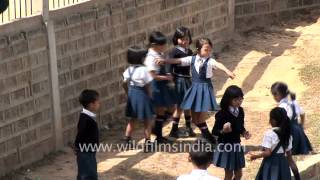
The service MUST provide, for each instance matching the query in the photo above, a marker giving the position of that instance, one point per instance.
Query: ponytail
(283, 122)
(292, 96)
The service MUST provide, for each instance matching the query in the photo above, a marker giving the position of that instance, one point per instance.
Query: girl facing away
(277, 145)
(162, 97)
(200, 96)
(287, 100)
(136, 83)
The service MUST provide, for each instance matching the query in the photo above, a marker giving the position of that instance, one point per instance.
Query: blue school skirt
(229, 156)
(182, 85)
(162, 94)
(200, 98)
(274, 167)
(300, 141)
(139, 104)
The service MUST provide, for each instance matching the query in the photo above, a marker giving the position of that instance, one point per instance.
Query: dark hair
(231, 93)
(157, 38)
(3, 5)
(202, 41)
(181, 32)
(279, 115)
(282, 89)
(200, 157)
(88, 96)
(136, 55)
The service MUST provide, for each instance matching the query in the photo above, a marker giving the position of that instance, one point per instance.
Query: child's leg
(129, 128)
(187, 117)
(202, 125)
(238, 174)
(228, 175)
(160, 111)
(293, 166)
(87, 166)
(147, 129)
(175, 123)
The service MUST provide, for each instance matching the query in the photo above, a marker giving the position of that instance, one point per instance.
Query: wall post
(54, 82)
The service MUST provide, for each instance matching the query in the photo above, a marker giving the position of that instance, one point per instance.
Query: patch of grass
(313, 130)
(309, 74)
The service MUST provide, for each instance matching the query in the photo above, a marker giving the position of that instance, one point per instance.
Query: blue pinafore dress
(200, 97)
(274, 167)
(163, 92)
(139, 104)
(300, 141)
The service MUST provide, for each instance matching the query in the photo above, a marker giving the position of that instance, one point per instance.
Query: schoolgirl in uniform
(301, 143)
(137, 80)
(182, 78)
(162, 97)
(277, 144)
(200, 97)
(229, 127)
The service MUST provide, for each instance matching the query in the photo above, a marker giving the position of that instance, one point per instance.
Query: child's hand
(160, 61)
(252, 156)
(169, 77)
(247, 135)
(231, 75)
(227, 128)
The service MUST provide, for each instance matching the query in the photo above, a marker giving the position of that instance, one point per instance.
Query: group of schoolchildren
(180, 83)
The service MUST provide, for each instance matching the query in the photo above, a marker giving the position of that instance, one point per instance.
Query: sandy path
(259, 58)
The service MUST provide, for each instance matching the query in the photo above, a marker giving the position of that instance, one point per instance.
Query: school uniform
(301, 143)
(88, 133)
(162, 91)
(275, 166)
(200, 96)
(181, 74)
(198, 174)
(229, 153)
(139, 104)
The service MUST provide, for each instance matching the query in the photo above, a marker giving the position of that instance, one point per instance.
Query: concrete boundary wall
(91, 40)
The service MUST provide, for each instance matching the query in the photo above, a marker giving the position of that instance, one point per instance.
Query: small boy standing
(87, 139)
(200, 160)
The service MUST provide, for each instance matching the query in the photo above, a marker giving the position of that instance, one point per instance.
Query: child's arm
(125, 86)
(149, 91)
(221, 67)
(219, 126)
(157, 77)
(265, 153)
(302, 119)
(244, 132)
(186, 61)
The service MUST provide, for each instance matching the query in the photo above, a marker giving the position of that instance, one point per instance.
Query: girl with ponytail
(277, 145)
(281, 93)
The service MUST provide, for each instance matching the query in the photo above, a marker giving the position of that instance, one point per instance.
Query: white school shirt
(271, 140)
(140, 76)
(234, 111)
(89, 113)
(182, 49)
(198, 174)
(286, 104)
(186, 61)
(149, 61)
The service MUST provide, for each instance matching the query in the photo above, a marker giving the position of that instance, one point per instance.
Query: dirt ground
(286, 52)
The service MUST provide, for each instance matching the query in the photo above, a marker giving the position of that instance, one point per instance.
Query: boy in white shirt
(200, 160)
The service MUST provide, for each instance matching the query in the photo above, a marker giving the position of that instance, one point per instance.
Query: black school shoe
(149, 147)
(162, 140)
(174, 133)
(129, 142)
(190, 132)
